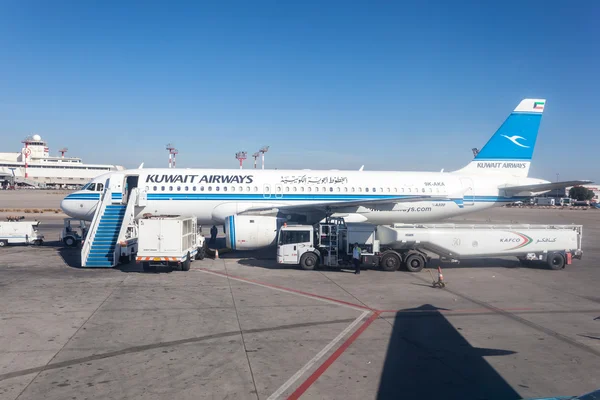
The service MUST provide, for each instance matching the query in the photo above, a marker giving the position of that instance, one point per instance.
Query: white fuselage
(212, 195)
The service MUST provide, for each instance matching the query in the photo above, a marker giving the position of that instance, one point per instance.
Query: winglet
(141, 166)
(361, 168)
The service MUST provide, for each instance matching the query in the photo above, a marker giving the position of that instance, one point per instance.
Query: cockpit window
(92, 187)
(99, 187)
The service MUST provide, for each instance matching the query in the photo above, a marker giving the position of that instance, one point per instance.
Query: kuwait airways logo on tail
(514, 140)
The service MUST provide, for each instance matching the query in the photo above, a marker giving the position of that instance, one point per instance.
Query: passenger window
(202, 188)
(295, 189)
(337, 189)
(187, 188)
(278, 189)
(309, 188)
(256, 188)
(179, 188)
(162, 188)
(217, 188)
(366, 189)
(287, 189)
(330, 189)
(155, 188)
(224, 188)
(210, 188)
(194, 188)
(302, 188)
(170, 188)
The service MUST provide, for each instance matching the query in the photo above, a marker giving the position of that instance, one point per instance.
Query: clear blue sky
(327, 84)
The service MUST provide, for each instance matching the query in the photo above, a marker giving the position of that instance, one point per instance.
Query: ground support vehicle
(70, 235)
(169, 241)
(410, 245)
(20, 232)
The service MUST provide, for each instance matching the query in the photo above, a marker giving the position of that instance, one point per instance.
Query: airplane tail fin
(510, 149)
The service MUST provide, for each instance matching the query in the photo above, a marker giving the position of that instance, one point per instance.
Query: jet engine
(247, 232)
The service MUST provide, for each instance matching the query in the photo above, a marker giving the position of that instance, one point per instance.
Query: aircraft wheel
(390, 262)
(415, 262)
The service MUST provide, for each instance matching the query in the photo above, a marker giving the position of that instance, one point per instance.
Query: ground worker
(356, 258)
(213, 234)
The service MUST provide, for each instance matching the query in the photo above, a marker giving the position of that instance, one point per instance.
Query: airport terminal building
(33, 166)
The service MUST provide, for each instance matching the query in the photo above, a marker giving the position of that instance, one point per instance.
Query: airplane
(252, 204)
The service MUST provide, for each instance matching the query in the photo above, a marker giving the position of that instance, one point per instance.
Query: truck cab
(327, 243)
(294, 242)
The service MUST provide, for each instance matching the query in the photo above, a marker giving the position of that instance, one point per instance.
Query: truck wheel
(38, 242)
(415, 262)
(390, 262)
(3, 243)
(201, 253)
(308, 261)
(69, 241)
(556, 261)
(185, 266)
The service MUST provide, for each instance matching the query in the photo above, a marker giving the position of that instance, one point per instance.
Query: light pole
(241, 156)
(557, 192)
(255, 155)
(263, 150)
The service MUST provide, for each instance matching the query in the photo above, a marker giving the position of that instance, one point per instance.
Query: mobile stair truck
(408, 245)
(169, 241)
(20, 232)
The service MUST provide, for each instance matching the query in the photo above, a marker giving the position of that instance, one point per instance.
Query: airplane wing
(543, 187)
(333, 205)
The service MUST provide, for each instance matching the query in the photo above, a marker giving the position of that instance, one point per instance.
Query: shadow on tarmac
(428, 358)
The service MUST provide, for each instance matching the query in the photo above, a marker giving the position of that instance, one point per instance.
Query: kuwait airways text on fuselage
(199, 179)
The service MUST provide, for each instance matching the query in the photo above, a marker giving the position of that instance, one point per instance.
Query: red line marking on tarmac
(319, 371)
(470, 310)
(290, 290)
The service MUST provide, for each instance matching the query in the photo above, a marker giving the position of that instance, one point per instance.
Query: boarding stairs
(111, 226)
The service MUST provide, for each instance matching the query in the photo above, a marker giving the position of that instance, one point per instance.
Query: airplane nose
(68, 207)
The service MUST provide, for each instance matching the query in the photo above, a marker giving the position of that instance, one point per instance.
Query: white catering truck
(170, 241)
(20, 232)
(389, 247)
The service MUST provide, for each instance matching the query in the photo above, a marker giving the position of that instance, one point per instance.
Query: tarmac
(243, 327)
